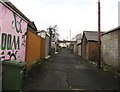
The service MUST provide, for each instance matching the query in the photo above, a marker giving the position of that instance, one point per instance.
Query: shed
(90, 45)
(110, 48)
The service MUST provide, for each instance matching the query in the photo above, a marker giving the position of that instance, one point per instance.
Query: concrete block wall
(119, 50)
(109, 48)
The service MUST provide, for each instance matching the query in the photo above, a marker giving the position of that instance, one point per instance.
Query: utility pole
(99, 37)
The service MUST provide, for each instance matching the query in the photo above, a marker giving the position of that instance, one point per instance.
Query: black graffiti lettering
(3, 57)
(12, 55)
(2, 53)
(3, 41)
(23, 39)
(9, 40)
(16, 44)
(17, 24)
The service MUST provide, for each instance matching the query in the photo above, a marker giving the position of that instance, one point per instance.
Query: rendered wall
(79, 49)
(0, 49)
(12, 35)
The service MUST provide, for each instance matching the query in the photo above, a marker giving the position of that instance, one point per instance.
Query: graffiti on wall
(13, 36)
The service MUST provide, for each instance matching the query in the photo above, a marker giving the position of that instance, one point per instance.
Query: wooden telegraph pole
(99, 36)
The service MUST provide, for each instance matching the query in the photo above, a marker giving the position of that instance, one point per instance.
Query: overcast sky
(74, 15)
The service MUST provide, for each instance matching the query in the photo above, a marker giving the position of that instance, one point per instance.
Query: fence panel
(42, 47)
(33, 47)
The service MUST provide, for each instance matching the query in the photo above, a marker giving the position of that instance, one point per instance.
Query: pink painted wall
(0, 25)
(0, 50)
(13, 36)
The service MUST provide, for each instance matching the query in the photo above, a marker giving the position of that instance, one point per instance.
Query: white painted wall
(79, 49)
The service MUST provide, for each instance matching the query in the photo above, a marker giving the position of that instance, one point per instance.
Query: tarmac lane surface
(69, 72)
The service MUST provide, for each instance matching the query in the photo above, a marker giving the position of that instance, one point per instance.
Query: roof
(41, 31)
(65, 41)
(14, 9)
(18, 12)
(112, 30)
(32, 24)
(91, 35)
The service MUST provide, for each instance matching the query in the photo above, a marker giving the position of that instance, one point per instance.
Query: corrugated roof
(92, 35)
